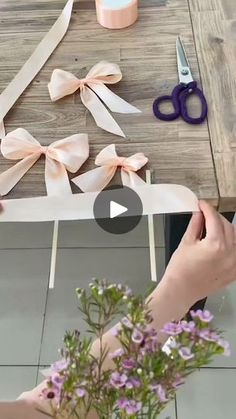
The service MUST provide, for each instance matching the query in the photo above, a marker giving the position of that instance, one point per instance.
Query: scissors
(187, 87)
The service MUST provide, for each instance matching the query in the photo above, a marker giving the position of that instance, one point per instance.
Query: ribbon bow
(67, 154)
(96, 179)
(94, 94)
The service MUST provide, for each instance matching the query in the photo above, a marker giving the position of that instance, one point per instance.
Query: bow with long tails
(94, 93)
(108, 160)
(60, 156)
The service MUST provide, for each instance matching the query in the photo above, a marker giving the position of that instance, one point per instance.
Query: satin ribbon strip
(94, 93)
(60, 156)
(34, 64)
(108, 160)
(151, 237)
(156, 199)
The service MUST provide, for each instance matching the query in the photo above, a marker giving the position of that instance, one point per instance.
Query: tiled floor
(33, 319)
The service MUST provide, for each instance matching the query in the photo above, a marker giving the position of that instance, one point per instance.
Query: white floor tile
(89, 234)
(16, 380)
(23, 287)
(168, 412)
(208, 394)
(25, 235)
(223, 306)
(75, 268)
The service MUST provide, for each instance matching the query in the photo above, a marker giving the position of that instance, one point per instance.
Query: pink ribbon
(60, 156)
(94, 93)
(108, 160)
(35, 62)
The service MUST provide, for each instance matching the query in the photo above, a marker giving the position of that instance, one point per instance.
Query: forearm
(166, 304)
(15, 410)
(9, 410)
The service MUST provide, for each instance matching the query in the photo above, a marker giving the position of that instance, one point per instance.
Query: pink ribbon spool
(115, 17)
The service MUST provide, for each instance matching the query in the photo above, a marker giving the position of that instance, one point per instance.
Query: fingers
(213, 222)
(195, 228)
(229, 232)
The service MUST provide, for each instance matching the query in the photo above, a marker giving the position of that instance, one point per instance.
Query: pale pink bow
(108, 160)
(94, 94)
(60, 156)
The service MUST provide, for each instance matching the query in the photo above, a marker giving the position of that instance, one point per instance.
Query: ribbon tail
(41, 54)
(2, 130)
(114, 102)
(12, 176)
(131, 179)
(56, 178)
(101, 115)
(95, 180)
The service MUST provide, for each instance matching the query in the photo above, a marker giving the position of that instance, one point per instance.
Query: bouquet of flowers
(143, 377)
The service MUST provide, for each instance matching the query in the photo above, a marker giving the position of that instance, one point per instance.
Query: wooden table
(200, 157)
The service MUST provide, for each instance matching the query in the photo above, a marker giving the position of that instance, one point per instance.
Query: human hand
(21, 409)
(200, 267)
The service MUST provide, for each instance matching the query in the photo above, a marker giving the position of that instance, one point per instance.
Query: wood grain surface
(214, 23)
(178, 152)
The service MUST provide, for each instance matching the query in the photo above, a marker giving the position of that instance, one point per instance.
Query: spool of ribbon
(117, 14)
(94, 93)
(35, 62)
(108, 160)
(60, 156)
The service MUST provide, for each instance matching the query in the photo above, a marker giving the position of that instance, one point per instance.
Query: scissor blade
(185, 75)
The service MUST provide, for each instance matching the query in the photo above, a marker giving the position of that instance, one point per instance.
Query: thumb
(213, 221)
(195, 228)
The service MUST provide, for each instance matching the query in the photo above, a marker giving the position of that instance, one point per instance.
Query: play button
(118, 209)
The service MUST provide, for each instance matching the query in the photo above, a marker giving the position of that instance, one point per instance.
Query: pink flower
(203, 315)
(173, 344)
(188, 327)
(137, 336)
(118, 380)
(172, 329)
(186, 353)
(122, 403)
(130, 406)
(150, 333)
(179, 381)
(80, 392)
(133, 383)
(129, 364)
(51, 394)
(208, 335)
(161, 393)
(57, 381)
(60, 366)
(133, 407)
(117, 354)
(226, 346)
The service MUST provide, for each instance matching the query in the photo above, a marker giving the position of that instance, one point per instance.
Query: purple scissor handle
(179, 98)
